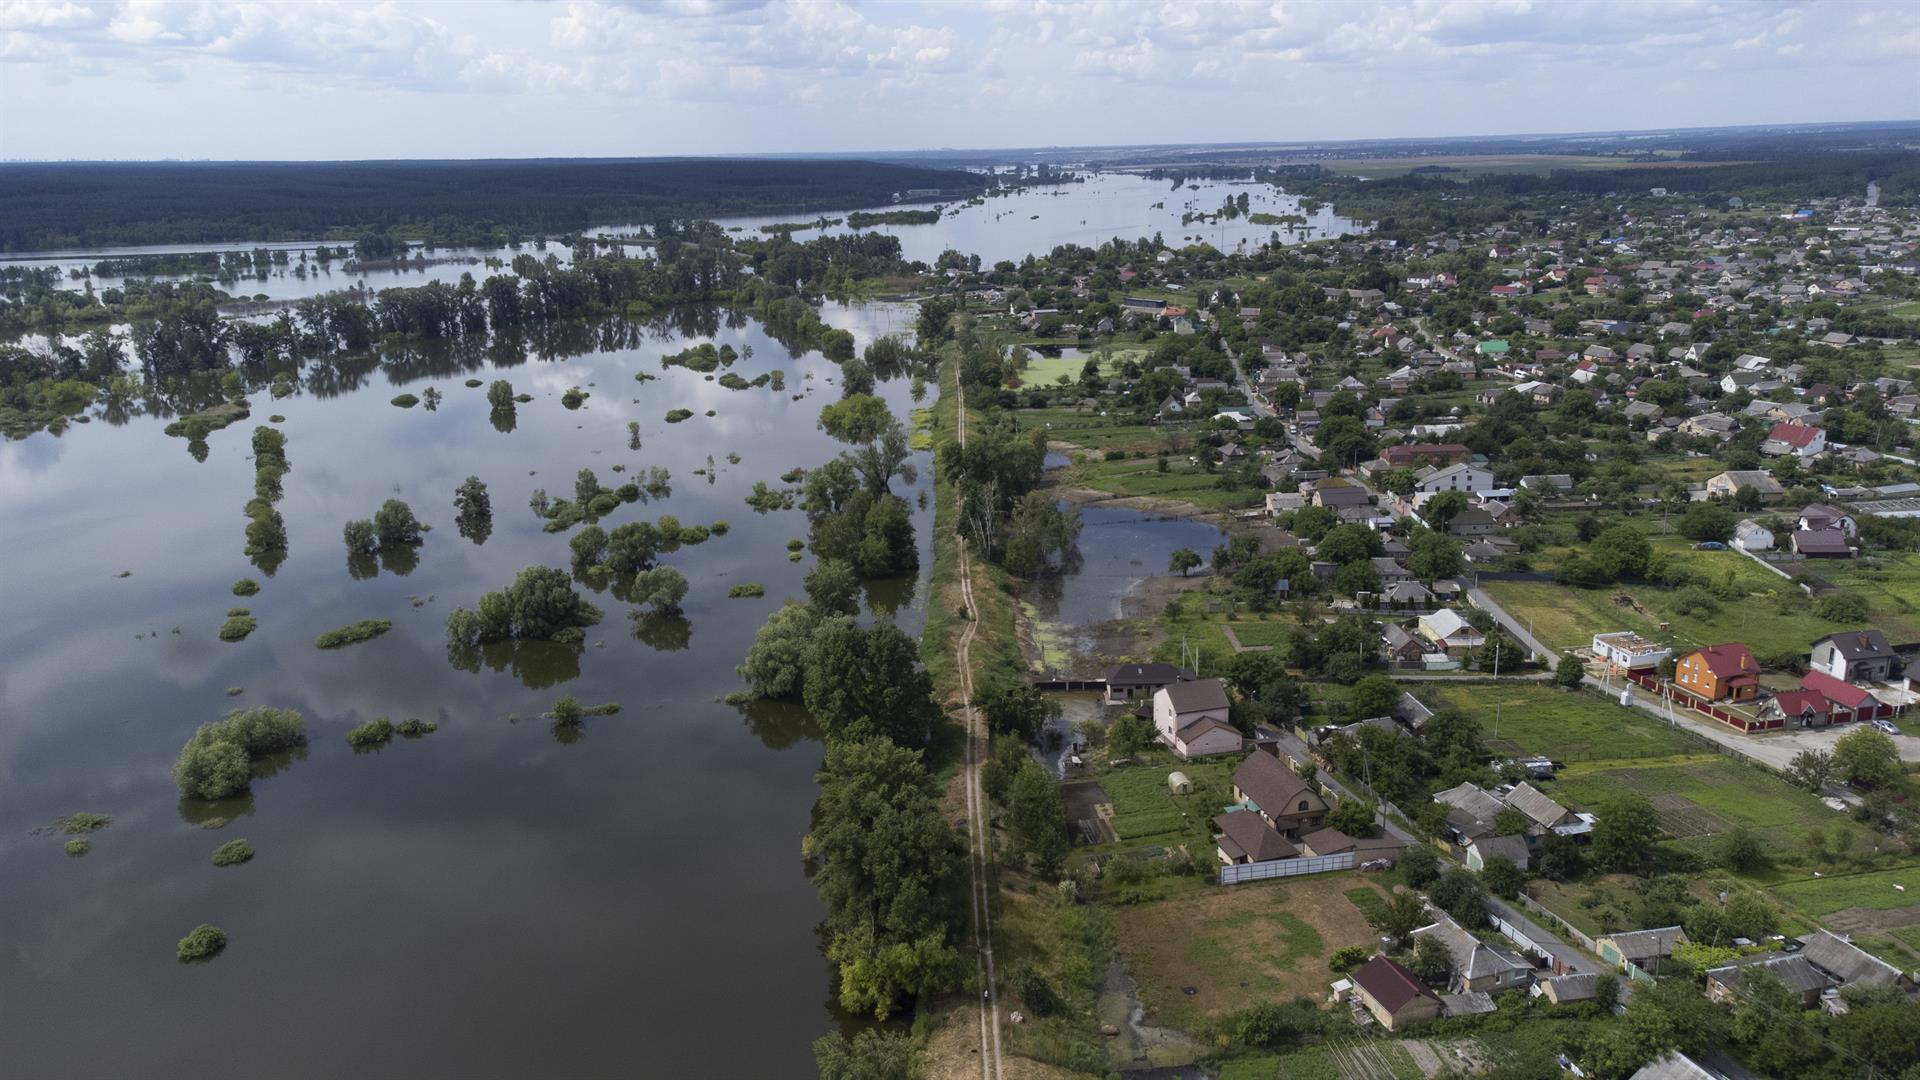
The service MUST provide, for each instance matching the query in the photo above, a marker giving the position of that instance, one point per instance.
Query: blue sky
(355, 79)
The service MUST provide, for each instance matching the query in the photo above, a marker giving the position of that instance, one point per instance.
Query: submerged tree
(474, 510)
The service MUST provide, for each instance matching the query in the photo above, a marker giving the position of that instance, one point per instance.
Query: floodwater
(1119, 548)
(488, 900)
(1034, 220)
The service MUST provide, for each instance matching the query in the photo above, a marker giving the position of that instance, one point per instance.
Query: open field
(1702, 795)
(1563, 725)
(1046, 370)
(1274, 633)
(1238, 946)
(1097, 432)
(1141, 477)
(1874, 890)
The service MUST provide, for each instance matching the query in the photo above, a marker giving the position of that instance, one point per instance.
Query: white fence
(1519, 937)
(1278, 868)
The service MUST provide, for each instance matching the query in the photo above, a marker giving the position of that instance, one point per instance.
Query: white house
(1461, 477)
(1629, 650)
(1191, 718)
(1752, 536)
(1450, 631)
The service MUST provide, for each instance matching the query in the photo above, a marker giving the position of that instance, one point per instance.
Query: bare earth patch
(1234, 947)
(1857, 918)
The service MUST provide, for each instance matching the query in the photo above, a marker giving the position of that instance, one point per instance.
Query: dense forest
(87, 204)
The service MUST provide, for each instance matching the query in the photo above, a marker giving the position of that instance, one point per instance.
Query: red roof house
(1851, 702)
(1395, 996)
(1719, 672)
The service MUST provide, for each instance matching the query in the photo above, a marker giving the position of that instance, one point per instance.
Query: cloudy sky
(351, 79)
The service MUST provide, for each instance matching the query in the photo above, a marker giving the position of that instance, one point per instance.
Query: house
(1802, 708)
(1450, 632)
(1727, 484)
(1246, 838)
(1719, 672)
(1395, 996)
(1476, 966)
(1825, 544)
(1750, 535)
(1405, 596)
(1471, 811)
(1126, 680)
(1710, 426)
(1851, 702)
(1191, 717)
(1461, 477)
(1819, 517)
(1793, 971)
(1513, 848)
(1335, 496)
(1796, 439)
(1640, 953)
(1544, 814)
(1278, 795)
(1402, 648)
(1846, 963)
(1335, 842)
(1857, 656)
(1563, 989)
(1626, 649)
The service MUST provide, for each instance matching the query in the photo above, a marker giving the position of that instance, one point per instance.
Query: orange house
(1719, 673)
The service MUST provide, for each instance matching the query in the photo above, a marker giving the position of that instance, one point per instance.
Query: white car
(1886, 726)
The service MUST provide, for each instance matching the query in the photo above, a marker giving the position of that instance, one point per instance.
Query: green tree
(1418, 864)
(589, 546)
(1014, 707)
(1508, 821)
(1130, 735)
(360, 537)
(1353, 817)
(832, 588)
(541, 604)
(1037, 821)
(631, 546)
(1624, 835)
(1443, 507)
(1571, 672)
(776, 664)
(1458, 893)
(1811, 769)
(473, 510)
(859, 418)
(1432, 555)
(500, 396)
(870, 1054)
(1399, 916)
(1372, 696)
(1741, 851)
(1349, 543)
(1707, 521)
(1431, 961)
(661, 588)
(395, 524)
(1867, 758)
(1502, 877)
(861, 683)
(1183, 560)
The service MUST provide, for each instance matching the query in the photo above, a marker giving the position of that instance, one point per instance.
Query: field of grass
(1140, 477)
(1187, 621)
(1724, 793)
(1266, 632)
(1238, 946)
(1874, 890)
(1095, 431)
(1565, 726)
(1046, 370)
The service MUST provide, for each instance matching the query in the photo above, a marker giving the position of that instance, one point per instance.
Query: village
(1563, 643)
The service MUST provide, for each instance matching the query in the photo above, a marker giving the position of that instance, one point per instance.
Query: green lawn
(1115, 431)
(1136, 477)
(1046, 370)
(1576, 726)
(1274, 633)
(1724, 793)
(1875, 890)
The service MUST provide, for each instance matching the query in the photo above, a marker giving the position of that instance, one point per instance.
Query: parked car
(1709, 545)
(1886, 726)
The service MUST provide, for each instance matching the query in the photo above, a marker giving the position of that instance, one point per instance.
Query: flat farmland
(1563, 725)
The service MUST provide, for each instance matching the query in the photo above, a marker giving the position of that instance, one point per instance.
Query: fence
(1519, 937)
(1279, 868)
(1556, 922)
(1686, 700)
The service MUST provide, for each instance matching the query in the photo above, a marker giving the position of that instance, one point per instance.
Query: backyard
(1222, 949)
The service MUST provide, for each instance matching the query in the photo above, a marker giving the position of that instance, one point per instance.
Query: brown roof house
(1395, 996)
(1474, 964)
(1245, 837)
(1278, 795)
(1191, 717)
(1719, 672)
(1793, 970)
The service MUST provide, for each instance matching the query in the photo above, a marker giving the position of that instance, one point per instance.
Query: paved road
(1492, 607)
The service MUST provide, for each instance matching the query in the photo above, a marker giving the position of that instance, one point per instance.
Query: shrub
(500, 395)
(719, 528)
(237, 627)
(353, 633)
(232, 853)
(377, 732)
(406, 401)
(573, 398)
(78, 847)
(472, 383)
(1841, 608)
(216, 761)
(202, 943)
(747, 590)
(1348, 957)
(677, 415)
(415, 727)
(1419, 865)
(84, 822)
(567, 711)
(246, 586)
(694, 534)
(360, 537)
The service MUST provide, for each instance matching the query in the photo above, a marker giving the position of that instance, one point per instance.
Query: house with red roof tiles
(1724, 672)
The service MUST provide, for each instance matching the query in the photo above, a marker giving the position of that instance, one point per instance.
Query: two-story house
(1857, 656)
(1719, 672)
(1282, 799)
